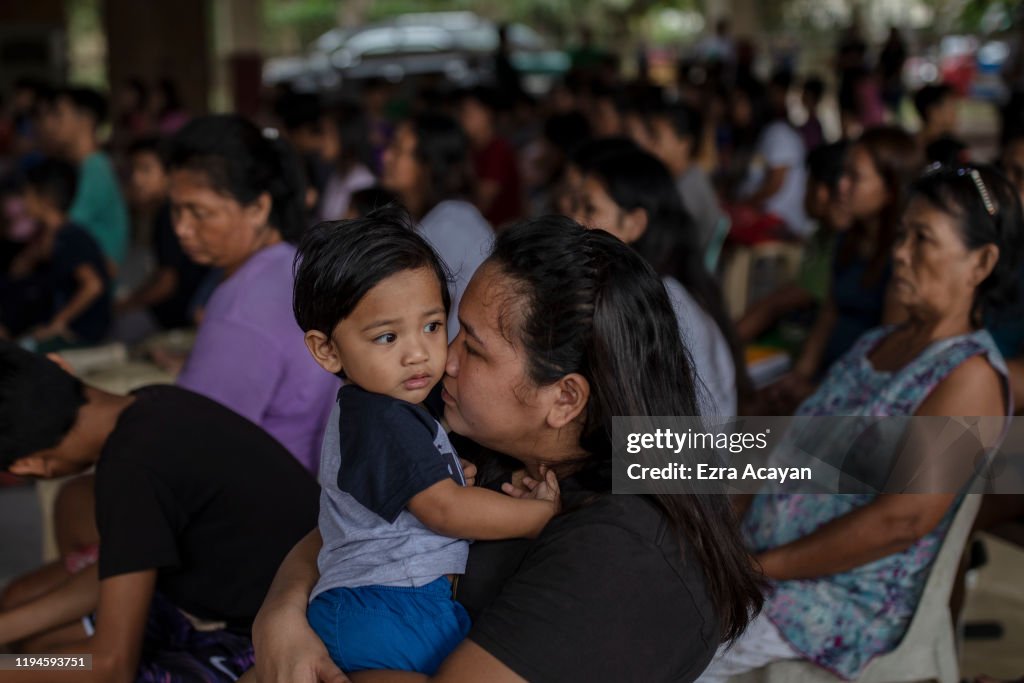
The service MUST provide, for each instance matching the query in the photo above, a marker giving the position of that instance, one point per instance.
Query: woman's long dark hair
(586, 303)
(897, 159)
(240, 162)
(635, 179)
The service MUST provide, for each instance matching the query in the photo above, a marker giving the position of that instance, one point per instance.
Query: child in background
(162, 301)
(371, 296)
(62, 263)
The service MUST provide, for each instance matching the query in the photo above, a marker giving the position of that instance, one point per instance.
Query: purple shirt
(250, 356)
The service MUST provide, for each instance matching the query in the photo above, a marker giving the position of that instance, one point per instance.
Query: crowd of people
(433, 303)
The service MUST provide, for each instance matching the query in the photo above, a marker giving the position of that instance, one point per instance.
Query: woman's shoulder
(259, 293)
(975, 383)
(615, 521)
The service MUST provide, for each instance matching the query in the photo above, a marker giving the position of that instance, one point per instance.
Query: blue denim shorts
(389, 627)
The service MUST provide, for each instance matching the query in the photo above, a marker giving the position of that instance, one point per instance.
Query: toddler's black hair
(339, 262)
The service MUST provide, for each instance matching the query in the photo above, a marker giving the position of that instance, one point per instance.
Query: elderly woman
(617, 587)
(849, 569)
(236, 202)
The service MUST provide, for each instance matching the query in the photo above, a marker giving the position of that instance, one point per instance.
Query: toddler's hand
(545, 489)
(468, 472)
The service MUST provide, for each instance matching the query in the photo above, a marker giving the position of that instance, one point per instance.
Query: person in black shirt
(560, 330)
(170, 288)
(195, 507)
(62, 264)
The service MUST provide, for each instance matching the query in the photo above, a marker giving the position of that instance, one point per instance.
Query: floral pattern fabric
(841, 622)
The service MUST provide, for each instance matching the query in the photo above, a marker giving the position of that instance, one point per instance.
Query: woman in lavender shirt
(236, 202)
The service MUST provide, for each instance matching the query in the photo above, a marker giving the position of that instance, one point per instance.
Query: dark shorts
(173, 651)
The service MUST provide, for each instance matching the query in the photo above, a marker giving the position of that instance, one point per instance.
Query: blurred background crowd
(784, 135)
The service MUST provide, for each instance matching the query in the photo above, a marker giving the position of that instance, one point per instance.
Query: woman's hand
(168, 361)
(545, 489)
(289, 651)
(51, 331)
(788, 392)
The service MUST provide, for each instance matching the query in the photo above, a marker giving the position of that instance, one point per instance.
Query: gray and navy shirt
(378, 453)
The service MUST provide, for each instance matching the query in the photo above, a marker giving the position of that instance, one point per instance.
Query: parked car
(455, 45)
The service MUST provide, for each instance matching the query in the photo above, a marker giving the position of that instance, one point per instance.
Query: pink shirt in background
(250, 356)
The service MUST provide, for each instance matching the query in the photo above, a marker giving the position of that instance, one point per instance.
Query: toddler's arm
(90, 288)
(483, 515)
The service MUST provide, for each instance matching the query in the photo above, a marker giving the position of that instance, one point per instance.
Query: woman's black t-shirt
(605, 593)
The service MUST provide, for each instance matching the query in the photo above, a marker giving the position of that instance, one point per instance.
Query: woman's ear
(985, 259)
(634, 225)
(572, 393)
(323, 350)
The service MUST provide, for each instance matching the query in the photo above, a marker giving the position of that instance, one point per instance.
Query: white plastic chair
(928, 650)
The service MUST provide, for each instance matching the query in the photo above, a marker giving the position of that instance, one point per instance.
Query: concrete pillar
(238, 53)
(152, 40)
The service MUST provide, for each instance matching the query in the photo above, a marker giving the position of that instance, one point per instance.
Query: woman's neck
(927, 328)
(269, 237)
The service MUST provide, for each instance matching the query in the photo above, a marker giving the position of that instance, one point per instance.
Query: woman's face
(148, 179)
(932, 268)
(216, 229)
(596, 209)
(488, 394)
(862, 189)
(402, 172)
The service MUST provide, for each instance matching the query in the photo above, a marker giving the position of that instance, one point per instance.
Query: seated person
(62, 266)
(937, 106)
(848, 571)
(499, 194)
(163, 300)
(98, 205)
(195, 507)
(879, 167)
(371, 297)
(673, 134)
(769, 202)
(821, 202)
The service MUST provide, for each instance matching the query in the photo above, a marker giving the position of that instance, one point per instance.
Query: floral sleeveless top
(841, 622)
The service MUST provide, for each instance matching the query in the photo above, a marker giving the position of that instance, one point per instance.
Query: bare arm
(287, 649)
(469, 663)
(1015, 366)
(760, 316)
(117, 645)
(90, 287)
(482, 514)
(71, 600)
(892, 523)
